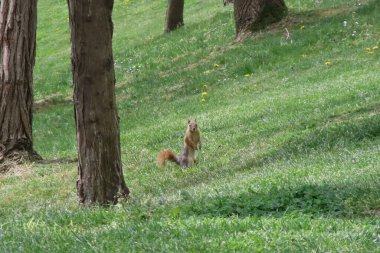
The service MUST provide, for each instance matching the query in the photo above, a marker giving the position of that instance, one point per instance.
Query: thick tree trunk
(174, 15)
(18, 20)
(252, 15)
(101, 178)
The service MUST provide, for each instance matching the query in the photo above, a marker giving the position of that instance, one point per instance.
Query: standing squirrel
(191, 143)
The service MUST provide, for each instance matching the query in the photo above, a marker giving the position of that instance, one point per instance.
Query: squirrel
(191, 143)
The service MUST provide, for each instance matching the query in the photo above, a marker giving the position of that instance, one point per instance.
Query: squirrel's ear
(188, 121)
(195, 120)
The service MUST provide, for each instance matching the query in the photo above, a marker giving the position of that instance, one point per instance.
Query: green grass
(290, 159)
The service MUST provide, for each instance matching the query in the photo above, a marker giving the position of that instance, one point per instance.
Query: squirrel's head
(192, 125)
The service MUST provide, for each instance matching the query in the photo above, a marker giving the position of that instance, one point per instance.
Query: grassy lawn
(290, 131)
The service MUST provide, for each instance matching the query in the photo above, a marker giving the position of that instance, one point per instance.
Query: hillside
(290, 127)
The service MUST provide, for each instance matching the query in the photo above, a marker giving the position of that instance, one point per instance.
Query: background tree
(18, 20)
(99, 163)
(174, 15)
(225, 2)
(252, 15)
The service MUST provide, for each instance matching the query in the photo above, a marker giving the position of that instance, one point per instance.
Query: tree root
(14, 158)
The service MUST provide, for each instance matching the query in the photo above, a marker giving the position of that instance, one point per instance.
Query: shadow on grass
(338, 131)
(314, 200)
(349, 130)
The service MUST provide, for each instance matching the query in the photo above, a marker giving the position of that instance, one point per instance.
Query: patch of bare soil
(21, 167)
(60, 160)
(334, 12)
(16, 162)
(51, 101)
(373, 213)
(13, 168)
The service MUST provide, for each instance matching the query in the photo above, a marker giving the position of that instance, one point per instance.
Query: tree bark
(100, 172)
(18, 19)
(252, 15)
(174, 15)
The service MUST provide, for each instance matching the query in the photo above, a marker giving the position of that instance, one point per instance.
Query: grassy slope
(290, 159)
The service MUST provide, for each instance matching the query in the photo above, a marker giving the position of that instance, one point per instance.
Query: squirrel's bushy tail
(166, 155)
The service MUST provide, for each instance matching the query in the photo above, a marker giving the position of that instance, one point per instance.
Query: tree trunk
(100, 172)
(252, 15)
(18, 20)
(174, 15)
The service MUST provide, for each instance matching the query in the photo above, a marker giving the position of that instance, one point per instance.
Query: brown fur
(165, 155)
(192, 141)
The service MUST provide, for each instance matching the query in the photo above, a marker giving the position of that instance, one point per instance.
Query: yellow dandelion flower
(327, 62)
(368, 49)
(248, 74)
(375, 47)
(302, 27)
(370, 52)
(204, 93)
(216, 65)
(203, 100)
